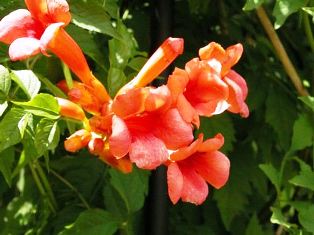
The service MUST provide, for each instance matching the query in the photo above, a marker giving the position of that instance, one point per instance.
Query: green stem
(67, 75)
(67, 183)
(308, 30)
(54, 89)
(41, 188)
(46, 184)
(281, 52)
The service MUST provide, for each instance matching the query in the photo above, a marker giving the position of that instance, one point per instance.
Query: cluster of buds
(142, 125)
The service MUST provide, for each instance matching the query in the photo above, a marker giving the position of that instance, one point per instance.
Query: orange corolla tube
(40, 29)
(158, 62)
(70, 110)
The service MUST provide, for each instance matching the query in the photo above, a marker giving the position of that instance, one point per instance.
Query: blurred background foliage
(45, 190)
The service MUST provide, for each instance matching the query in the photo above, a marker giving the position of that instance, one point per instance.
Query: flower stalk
(281, 52)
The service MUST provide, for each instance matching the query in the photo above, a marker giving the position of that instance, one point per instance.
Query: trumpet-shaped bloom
(148, 128)
(189, 169)
(39, 29)
(207, 86)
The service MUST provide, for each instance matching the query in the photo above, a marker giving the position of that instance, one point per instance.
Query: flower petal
(77, 140)
(177, 82)
(120, 139)
(19, 24)
(213, 167)
(39, 10)
(158, 99)
(122, 105)
(233, 54)
(212, 51)
(186, 152)
(212, 144)
(237, 94)
(195, 189)
(49, 34)
(147, 151)
(59, 11)
(187, 111)
(175, 182)
(173, 130)
(23, 48)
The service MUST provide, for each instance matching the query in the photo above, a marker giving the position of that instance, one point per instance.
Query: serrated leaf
(272, 173)
(254, 227)
(43, 105)
(93, 18)
(284, 8)
(252, 4)
(10, 133)
(238, 187)
(281, 114)
(28, 82)
(131, 187)
(278, 218)
(5, 83)
(309, 101)
(6, 164)
(47, 135)
(219, 124)
(93, 222)
(304, 179)
(306, 218)
(303, 133)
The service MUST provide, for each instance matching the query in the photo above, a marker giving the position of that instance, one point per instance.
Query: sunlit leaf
(252, 4)
(284, 8)
(3, 107)
(5, 83)
(47, 135)
(93, 18)
(28, 82)
(44, 105)
(10, 133)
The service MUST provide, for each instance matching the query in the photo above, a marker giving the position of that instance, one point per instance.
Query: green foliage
(46, 190)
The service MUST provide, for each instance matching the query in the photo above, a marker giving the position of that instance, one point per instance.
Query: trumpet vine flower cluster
(142, 125)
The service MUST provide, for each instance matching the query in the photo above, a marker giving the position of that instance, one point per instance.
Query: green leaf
(137, 63)
(280, 114)
(93, 18)
(309, 101)
(284, 8)
(3, 107)
(5, 83)
(23, 123)
(309, 10)
(306, 218)
(304, 179)
(47, 135)
(254, 227)
(116, 79)
(219, 124)
(272, 173)
(278, 218)
(303, 133)
(252, 4)
(93, 222)
(44, 105)
(131, 187)
(10, 133)
(28, 82)
(6, 164)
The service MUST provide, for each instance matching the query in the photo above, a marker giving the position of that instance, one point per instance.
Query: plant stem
(53, 88)
(281, 52)
(308, 30)
(67, 183)
(46, 184)
(41, 188)
(67, 75)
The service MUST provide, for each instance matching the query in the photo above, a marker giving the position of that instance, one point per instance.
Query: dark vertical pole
(161, 27)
